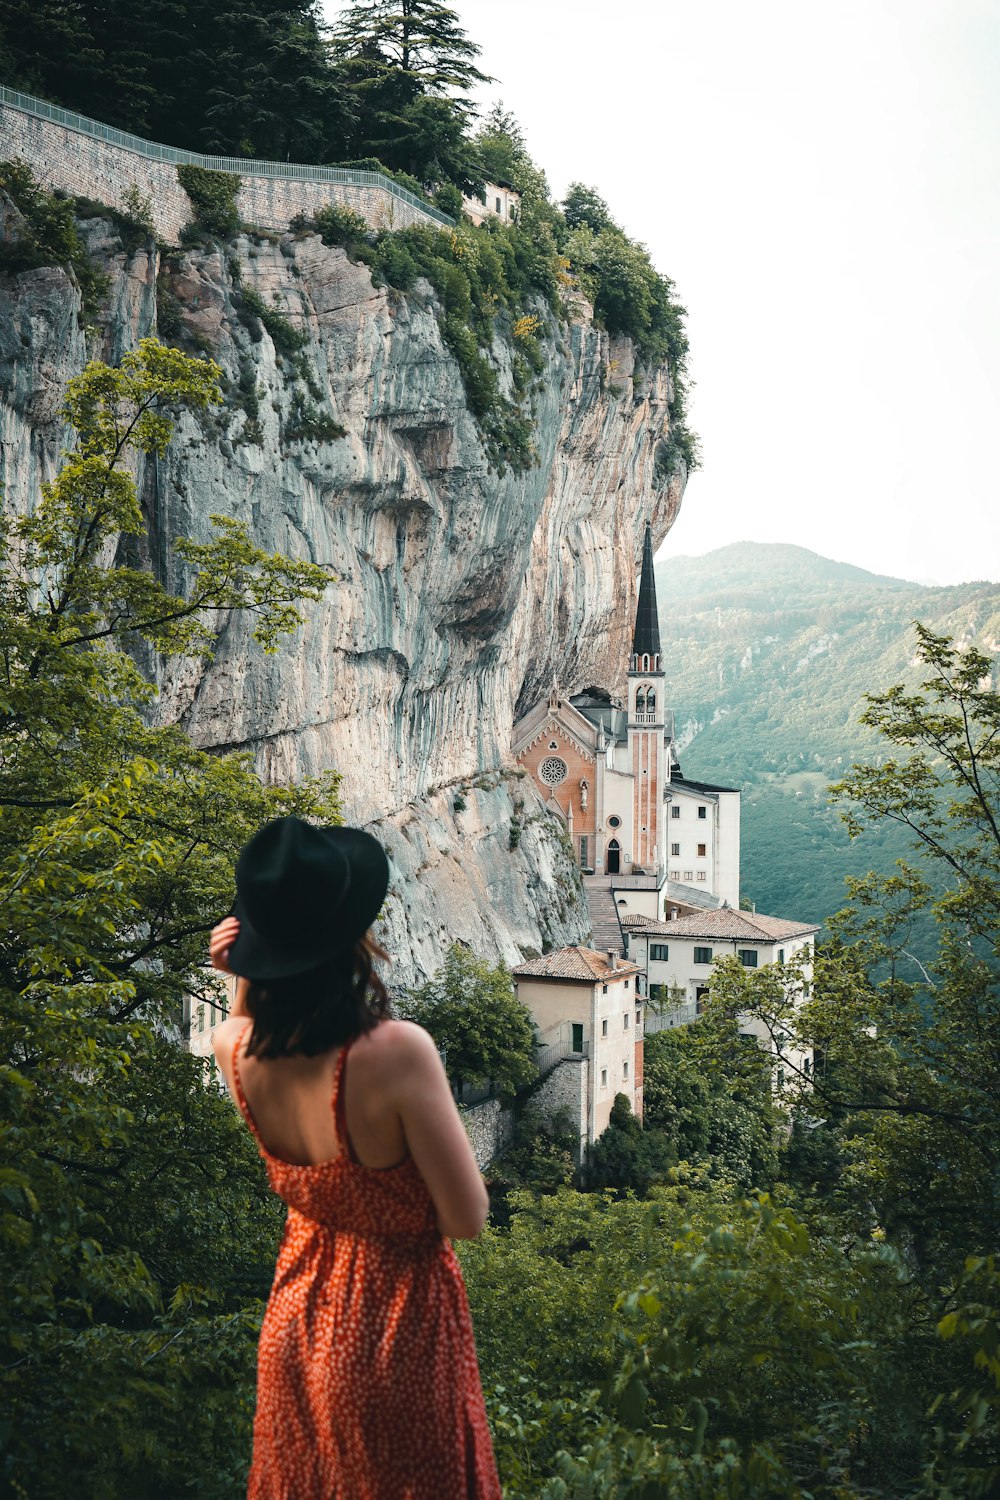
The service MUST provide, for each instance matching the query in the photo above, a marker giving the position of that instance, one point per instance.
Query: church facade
(608, 767)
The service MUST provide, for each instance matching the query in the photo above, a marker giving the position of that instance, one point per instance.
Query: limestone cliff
(460, 591)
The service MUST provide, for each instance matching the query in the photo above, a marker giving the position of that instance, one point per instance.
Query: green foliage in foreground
(136, 1233)
(470, 1009)
(697, 1345)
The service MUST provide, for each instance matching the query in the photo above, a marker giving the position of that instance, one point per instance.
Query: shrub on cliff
(213, 198)
(136, 1230)
(46, 234)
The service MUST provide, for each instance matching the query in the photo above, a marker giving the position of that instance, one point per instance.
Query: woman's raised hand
(221, 939)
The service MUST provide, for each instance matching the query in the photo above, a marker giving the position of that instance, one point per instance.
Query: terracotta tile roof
(634, 922)
(574, 963)
(724, 923)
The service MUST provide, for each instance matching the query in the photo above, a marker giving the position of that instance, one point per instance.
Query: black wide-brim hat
(304, 895)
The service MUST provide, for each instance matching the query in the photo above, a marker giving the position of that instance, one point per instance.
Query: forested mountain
(771, 652)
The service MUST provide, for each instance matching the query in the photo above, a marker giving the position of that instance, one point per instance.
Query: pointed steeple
(646, 641)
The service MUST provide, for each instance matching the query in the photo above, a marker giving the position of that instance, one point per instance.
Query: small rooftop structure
(585, 965)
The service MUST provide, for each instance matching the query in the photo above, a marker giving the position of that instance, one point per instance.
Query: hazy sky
(821, 183)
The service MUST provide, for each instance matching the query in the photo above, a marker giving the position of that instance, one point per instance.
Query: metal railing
(239, 166)
(556, 1052)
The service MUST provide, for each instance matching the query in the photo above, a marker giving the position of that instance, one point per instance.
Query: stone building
(500, 200)
(588, 1013)
(609, 768)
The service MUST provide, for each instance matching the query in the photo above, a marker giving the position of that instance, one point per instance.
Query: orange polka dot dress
(367, 1381)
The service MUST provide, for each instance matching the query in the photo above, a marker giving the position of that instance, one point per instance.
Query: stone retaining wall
(490, 1127)
(565, 1092)
(86, 166)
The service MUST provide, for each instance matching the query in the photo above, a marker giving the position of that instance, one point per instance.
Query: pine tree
(408, 67)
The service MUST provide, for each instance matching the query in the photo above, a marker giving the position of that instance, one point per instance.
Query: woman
(367, 1382)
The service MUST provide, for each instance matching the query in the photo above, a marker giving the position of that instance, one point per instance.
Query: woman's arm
(434, 1132)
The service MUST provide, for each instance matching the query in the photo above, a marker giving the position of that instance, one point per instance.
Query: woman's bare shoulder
(224, 1036)
(399, 1041)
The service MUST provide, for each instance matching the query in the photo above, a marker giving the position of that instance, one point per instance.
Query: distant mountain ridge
(770, 651)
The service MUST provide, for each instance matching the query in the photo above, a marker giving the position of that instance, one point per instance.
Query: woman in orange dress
(367, 1381)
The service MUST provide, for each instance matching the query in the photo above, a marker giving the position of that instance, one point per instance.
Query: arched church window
(553, 770)
(640, 701)
(650, 701)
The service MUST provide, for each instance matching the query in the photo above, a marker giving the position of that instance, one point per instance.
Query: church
(665, 846)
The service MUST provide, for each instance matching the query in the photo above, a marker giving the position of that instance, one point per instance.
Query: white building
(499, 200)
(590, 1024)
(677, 959)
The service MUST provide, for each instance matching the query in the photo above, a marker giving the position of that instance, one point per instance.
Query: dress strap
(241, 1098)
(337, 1103)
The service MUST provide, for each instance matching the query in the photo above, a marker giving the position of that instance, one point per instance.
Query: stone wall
(490, 1127)
(565, 1092)
(86, 166)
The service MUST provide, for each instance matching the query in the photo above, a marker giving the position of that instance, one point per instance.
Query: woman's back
(289, 1098)
(367, 1376)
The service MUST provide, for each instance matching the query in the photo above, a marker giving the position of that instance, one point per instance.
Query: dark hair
(312, 1012)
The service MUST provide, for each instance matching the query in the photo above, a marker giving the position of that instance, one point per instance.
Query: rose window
(553, 770)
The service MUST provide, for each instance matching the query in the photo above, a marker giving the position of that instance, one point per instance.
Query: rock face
(460, 592)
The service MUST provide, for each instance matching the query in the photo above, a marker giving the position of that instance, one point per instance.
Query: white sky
(821, 183)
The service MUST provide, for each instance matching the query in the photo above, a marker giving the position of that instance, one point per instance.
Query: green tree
(908, 1073)
(626, 1157)
(408, 66)
(584, 206)
(486, 1034)
(136, 1232)
(250, 79)
(707, 1094)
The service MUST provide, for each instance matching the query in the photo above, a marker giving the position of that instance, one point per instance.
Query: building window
(702, 875)
(604, 989)
(614, 822)
(659, 951)
(675, 810)
(627, 983)
(675, 850)
(703, 955)
(807, 1065)
(703, 812)
(553, 770)
(781, 955)
(702, 850)
(625, 1071)
(604, 1027)
(747, 957)
(625, 1021)
(498, 206)
(604, 1078)
(675, 874)
(688, 874)
(638, 1016)
(658, 993)
(584, 851)
(577, 1036)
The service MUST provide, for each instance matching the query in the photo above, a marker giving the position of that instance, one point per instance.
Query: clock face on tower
(553, 770)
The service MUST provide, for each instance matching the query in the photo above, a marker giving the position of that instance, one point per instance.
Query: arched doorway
(614, 857)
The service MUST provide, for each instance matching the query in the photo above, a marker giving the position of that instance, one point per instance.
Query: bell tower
(647, 723)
